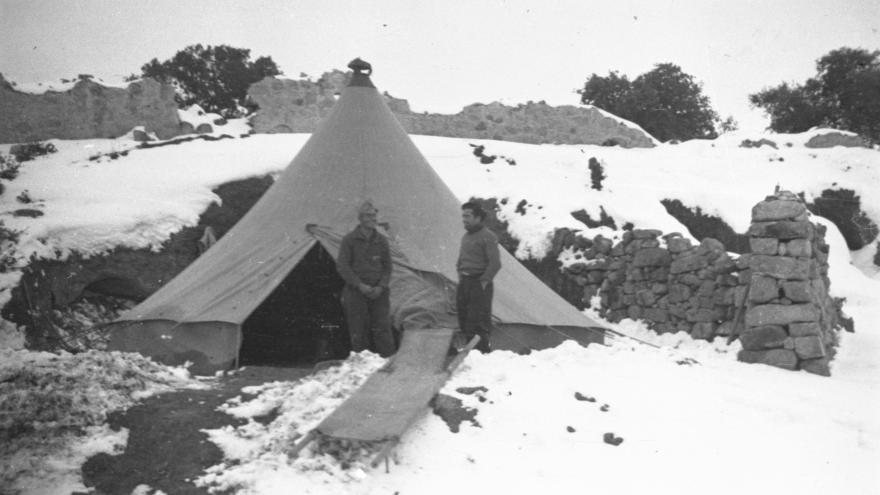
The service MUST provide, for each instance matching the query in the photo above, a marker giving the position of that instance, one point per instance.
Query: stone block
(706, 288)
(818, 366)
(765, 337)
(660, 274)
(705, 301)
(700, 315)
(723, 296)
(764, 245)
(646, 297)
(763, 289)
(777, 314)
(140, 136)
(646, 233)
(679, 293)
(651, 257)
(602, 245)
(678, 244)
(726, 328)
(798, 248)
(797, 291)
(688, 263)
(204, 128)
(781, 267)
(703, 330)
(804, 329)
(777, 209)
(690, 279)
(710, 245)
(655, 314)
(678, 311)
(728, 280)
(659, 289)
(634, 312)
(186, 128)
(662, 328)
(783, 230)
(809, 347)
(781, 358)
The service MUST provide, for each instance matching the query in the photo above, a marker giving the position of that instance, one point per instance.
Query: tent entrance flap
(301, 321)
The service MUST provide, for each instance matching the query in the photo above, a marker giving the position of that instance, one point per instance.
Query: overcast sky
(442, 55)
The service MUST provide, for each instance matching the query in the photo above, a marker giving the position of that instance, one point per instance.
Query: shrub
(667, 102)
(8, 168)
(29, 151)
(215, 78)
(843, 208)
(597, 173)
(844, 94)
(8, 243)
(702, 226)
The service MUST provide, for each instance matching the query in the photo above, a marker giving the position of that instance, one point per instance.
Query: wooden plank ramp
(395, 396)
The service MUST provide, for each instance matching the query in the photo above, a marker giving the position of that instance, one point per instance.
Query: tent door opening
(301, 322)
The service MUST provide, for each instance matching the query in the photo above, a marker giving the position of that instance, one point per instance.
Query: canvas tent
(359, 152)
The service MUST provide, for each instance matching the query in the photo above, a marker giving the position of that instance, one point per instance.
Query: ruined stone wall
(775, 299)
(678, 287)
(88, 110)
(298, 106)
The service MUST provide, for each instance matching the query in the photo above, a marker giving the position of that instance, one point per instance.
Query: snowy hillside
(692, 418)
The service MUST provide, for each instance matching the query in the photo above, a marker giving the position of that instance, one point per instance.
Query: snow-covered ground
(692, 418)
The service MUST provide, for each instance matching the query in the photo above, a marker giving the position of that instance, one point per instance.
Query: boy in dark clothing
(479, 260)
(364, 263)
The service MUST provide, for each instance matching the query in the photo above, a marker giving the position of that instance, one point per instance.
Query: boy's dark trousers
(474, 306)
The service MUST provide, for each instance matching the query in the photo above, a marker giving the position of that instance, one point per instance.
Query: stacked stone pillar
(789, 317)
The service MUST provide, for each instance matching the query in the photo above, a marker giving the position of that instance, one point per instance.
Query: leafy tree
(612, 93)
(844, 94)
(216, 78)
(666, 102)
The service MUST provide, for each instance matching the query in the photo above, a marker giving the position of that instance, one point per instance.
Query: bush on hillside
(702, 226)
(843, 208)
(29, 151)
(597, 174)
(8, 244)
(8, 168)
(666, 102)
(844, 94)
(214, 77)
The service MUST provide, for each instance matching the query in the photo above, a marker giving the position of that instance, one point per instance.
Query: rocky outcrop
(298, 106)
(832, 139)
(88, 110)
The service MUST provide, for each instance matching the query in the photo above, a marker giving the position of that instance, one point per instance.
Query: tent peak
(362, 71)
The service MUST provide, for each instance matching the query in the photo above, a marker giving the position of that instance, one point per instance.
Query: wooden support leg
(303, 442)
(462, 354)
(383, 454)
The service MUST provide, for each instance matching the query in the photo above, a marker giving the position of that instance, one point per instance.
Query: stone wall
(790, 317)
(298, 106)
(775, 299)
(86, 111)
(678, 287)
